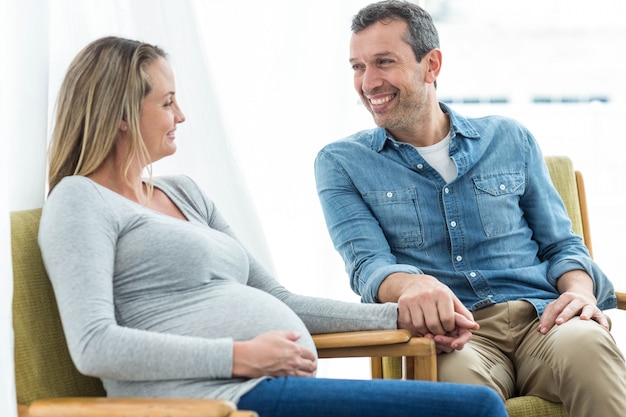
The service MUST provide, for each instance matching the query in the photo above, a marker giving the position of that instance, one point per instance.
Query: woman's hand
(273, 354)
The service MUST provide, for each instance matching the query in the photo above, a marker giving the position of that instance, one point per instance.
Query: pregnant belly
(221, 309)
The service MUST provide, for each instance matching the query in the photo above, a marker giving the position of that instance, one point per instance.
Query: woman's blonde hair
(104, 85)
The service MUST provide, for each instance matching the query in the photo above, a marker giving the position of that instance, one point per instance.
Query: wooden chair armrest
(359, 346)
(418, 353)
(621, 300)
(364, 338)
(131, 407)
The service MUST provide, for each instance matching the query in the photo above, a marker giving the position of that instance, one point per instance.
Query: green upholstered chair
(570, 185)
(48, 384)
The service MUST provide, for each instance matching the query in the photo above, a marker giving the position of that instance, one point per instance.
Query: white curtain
(23, 110)
(203, 150)
(39, 40)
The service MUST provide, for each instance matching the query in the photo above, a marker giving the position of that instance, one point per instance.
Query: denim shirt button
(420, 166)
(502, 187)
(473, 274)
(389, 194)
(453, 223)
(446, 190)
(459, 258)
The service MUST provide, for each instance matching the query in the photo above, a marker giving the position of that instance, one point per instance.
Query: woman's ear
(123, 126)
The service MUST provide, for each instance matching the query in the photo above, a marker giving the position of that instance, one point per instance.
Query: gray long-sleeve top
(152, 304)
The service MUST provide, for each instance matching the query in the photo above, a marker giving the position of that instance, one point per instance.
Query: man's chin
(380, 121)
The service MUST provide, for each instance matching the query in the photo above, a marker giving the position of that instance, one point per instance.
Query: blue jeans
(316, 397)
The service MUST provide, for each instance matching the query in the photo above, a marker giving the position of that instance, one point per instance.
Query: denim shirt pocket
(498, 198)
(397, 212)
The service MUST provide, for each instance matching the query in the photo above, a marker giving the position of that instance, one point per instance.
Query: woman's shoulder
(75, 203)
(73, 182)
(175, 181)
(180, 185)
(184, 190)
(73, 189)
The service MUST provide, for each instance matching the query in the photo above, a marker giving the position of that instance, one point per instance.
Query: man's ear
(433, 65)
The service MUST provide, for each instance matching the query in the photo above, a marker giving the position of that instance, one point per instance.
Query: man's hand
(273, 354)
(576, 299)
(426, 307)
(456, 339)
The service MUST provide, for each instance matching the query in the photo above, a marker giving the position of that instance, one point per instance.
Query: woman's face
(160, 112)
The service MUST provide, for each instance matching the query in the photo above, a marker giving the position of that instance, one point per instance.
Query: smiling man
(457, 220)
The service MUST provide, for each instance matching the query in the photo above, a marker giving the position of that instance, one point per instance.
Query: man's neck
(426, 131)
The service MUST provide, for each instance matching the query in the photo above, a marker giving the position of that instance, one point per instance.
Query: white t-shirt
(438, 157)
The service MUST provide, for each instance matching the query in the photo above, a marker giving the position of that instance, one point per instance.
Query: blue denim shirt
(496, 233)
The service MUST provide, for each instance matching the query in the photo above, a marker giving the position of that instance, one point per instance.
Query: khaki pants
(576, 363)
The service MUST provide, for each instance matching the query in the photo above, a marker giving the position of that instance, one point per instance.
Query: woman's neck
(111, 175)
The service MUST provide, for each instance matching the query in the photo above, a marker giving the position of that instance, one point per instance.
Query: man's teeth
(379, 101)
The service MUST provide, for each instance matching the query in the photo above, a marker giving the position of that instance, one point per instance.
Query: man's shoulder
(364, 138)
(494, 119)
(475, 125)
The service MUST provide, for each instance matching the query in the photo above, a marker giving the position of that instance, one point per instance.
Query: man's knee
(576, 349)
(467, 366)
(582, 340)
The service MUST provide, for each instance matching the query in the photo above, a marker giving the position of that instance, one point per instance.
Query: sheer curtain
(22, 163)
(39, 40)
(203, 150)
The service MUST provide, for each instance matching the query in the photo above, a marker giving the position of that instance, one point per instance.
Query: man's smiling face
(387, 76)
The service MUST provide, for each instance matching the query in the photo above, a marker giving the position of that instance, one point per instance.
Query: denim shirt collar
(460, 126)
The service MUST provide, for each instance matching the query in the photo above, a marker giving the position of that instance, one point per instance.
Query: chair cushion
(43, 367)
(529, 406)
